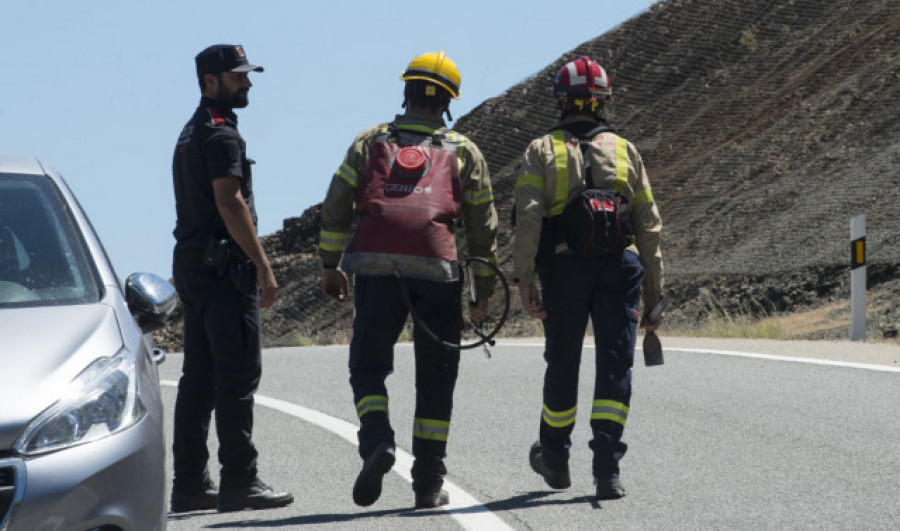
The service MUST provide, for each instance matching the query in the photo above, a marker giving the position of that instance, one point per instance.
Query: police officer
(604, 287)
(218, 264)
(411, 180)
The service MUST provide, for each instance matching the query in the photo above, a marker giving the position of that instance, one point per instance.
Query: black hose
(484, 337)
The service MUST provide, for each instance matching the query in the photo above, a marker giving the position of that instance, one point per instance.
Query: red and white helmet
(582, 79)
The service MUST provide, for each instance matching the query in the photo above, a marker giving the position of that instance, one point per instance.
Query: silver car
(81, 420)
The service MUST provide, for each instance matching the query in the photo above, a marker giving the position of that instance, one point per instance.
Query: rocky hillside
(765, 126)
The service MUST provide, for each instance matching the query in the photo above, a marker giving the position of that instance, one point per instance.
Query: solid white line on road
(772, 357)
(811, 361)
(468, 511)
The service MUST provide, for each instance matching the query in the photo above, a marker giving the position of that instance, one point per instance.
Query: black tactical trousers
(606, 289)
(221, 371)
(381, 313)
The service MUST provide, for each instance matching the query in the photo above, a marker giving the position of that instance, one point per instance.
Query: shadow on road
(309, 519)
(518, 502)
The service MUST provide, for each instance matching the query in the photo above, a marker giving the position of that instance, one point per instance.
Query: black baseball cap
(224, 58)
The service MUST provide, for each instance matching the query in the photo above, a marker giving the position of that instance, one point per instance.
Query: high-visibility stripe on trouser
(559, 419)
(610, 410)
(435, 430)
(371, 403)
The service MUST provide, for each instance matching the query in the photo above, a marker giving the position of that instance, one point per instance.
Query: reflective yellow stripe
(348, 174)
(478, 197)
(332, 241)
(530, 179)
(480, 269)
(460, 150)
(561, 155)
(559, 419)
(621, 183)
(435, 430)
(610, 410)
(371, 403)
(644, 196)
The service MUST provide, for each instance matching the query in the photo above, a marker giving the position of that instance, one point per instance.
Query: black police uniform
(222, 348)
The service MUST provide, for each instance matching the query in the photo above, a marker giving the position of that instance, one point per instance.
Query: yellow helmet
(434, 67)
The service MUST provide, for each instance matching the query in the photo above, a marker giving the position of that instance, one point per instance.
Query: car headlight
(100, 401)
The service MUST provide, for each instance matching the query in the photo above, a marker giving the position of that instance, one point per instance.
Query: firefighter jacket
(552, 173)
(477, 210)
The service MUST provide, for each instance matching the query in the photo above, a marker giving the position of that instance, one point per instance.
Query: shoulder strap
(584, 144)
(391, 133)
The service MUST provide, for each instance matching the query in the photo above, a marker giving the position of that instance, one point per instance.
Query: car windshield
(43, 257)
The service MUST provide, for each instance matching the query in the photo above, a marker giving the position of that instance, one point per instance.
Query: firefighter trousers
(381, 313)
(606, 289)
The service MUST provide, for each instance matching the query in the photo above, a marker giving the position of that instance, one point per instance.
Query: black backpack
(597, 221)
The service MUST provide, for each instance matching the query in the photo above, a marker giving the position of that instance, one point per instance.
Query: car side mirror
(150, 299)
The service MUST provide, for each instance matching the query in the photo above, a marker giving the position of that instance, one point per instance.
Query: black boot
(432, 498)
(556, 479)
(199, 499)
(609, 488)
(257, 495)
(367, 488)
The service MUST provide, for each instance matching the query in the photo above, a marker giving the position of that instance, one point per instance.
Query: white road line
(772, 357)
(468, 511)
(811, 361)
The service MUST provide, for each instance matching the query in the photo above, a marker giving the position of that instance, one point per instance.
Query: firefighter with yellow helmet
(587, 227)
(414, 187)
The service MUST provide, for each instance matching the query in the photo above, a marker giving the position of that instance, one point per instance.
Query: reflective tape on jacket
(332, 241)
(561, 156)
(610, 410)
(530, 179)
(348, 174)
(479, 269)
(559, 419)
(435, 430)
(460, 142)
(371, 403)
(621, 183)
(478, 197)
(643, 197)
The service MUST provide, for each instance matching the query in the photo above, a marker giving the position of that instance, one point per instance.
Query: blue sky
(100, 89)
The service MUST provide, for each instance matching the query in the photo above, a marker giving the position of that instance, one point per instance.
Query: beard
(237, 99)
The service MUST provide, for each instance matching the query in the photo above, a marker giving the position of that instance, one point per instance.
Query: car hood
(41, 351)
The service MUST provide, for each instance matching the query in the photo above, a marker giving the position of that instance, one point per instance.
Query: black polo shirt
(209, 147)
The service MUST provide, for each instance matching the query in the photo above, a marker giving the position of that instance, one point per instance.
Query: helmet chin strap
(567, 107)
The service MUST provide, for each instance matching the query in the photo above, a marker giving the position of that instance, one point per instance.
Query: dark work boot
(556, 479)
(257, 495)
(367, 488)
(432, 498)
(200, 499)
(609, 488)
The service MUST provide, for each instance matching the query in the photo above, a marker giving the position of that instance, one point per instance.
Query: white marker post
(858, 278)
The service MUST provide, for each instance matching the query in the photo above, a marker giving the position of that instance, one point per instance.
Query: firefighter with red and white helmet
(606, 285)
(409, 182)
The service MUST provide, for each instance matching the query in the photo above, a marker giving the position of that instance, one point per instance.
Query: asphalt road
(726, 435)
